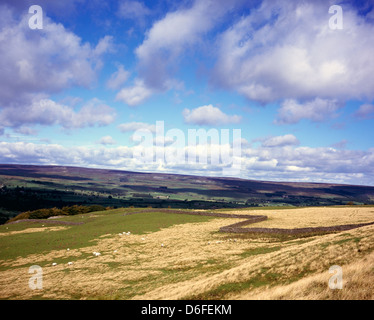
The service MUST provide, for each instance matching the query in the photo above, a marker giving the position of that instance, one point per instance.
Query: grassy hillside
(178, 256)
(82, 231)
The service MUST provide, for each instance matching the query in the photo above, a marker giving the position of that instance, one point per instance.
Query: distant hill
(26, 187)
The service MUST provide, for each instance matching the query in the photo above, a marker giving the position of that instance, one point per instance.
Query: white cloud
(286, 50)
(280, 51)
(135, 95)
(167, 39)
(43, 62)
(170, 39)
(321, 164)
(135, 10)
(26, 131)
(133, 126)
(103, 46)
(30, 153)
(340, 145)
(208, 115)
(281, 141)
(107, 140)
(285, 163)
(316, 110)
(118, 78)
(48, 112)
(366, 111)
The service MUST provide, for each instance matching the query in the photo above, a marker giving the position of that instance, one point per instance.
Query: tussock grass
(195, 262)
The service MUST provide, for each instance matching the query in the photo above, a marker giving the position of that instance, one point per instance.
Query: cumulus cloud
(48, 112)
(280, 50)
(340, 145)
(310, 164)
(316, 110)
(107, 140)
(285, 50)
(167, 42)
(118, 78)
(104, 45)
(281, 141)
(134, 10)
(134, 126)
(135, 94)
(296, 163)
(208, 115)
(26, 131)
(366, 111)
(168, 37)
(30, 153)
(43, 62)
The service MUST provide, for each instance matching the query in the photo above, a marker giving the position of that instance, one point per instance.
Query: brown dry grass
(290, 262)
(31, 230)
(358, 284)
(138, 267)
(312, 217)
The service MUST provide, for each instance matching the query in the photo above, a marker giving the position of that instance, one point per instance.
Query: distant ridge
(30, 187)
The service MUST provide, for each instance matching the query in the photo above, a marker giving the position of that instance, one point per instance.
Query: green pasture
(78, 236)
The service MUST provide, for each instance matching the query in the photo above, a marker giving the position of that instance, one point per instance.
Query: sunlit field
(159, 255)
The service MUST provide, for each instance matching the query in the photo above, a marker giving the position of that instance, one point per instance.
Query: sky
(266, 90)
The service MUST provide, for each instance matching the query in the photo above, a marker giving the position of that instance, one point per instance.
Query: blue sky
(300, 90)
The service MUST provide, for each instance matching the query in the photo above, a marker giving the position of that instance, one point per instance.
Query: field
(182, 256)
